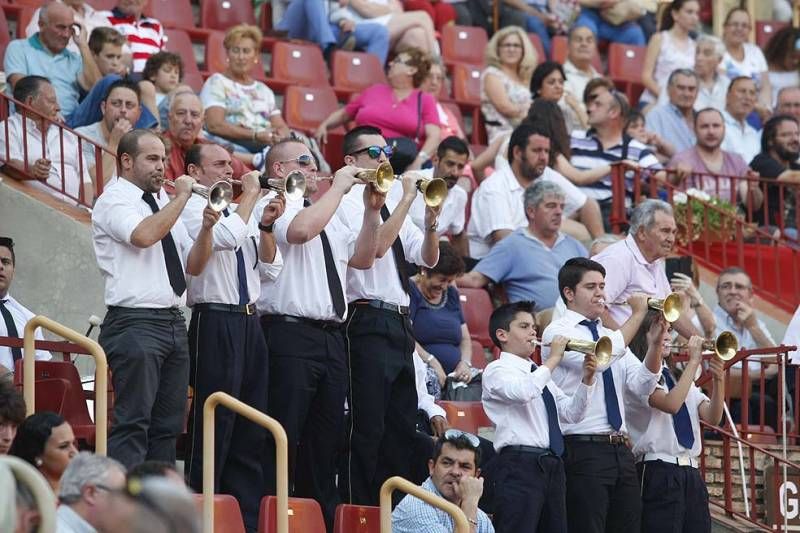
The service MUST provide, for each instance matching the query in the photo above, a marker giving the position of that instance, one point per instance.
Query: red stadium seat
(467, 84)
(478, 355)
(171, 13)
(625, 66)
(560, 50)
(298, 64)
(353, 72)
(19, 17)
(477, 307)
(306, 107)
(466, 416)
(51, 395)
(222, 14)
(305, 516)
(453, 107)
(357, 519)
(178, 41)
(227, 514)
(5, 34)
(463, 44)
(29, 3)
(765, 29)
(103, 5)
(541, 56)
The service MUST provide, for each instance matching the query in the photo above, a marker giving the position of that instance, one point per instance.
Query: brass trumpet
(601, 348)
(381, 177)
(293, 186)
(670, 306)
(724, 346)
(219, 194)
(434, 191)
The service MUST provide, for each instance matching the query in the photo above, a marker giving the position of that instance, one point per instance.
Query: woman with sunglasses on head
(407, 116)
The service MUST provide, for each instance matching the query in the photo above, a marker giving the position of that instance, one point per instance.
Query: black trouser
(307, 390)
(602, 488)
(382, 400)
(229, 354)
(674, 499)
(148, 354)
(529, 493)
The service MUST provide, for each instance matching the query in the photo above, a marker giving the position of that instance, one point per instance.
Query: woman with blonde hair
(505, 92)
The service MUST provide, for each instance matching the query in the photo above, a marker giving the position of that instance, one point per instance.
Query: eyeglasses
(304, 160)
(406, 62)
(738, 286)
(511, 45)
(374, 152)
(456, 434)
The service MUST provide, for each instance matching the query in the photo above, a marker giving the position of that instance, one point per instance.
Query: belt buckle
(250, 309)
(683, 460)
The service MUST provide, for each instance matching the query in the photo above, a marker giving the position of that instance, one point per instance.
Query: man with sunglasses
(382, 396)
(454, 475)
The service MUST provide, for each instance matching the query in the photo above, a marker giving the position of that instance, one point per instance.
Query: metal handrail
(281, 456)
(402, 484)
(101, 373)
(41, 490)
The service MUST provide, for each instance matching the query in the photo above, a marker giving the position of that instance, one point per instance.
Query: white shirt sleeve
(571, 409)
(500, 385)
(425, 401)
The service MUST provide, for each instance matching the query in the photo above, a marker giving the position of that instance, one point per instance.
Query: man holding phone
(681, 276)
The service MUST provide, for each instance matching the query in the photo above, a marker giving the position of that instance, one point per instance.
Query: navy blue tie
(612, 403)
(681, 421)
(556, 437)
(241, 273)
(11, 329)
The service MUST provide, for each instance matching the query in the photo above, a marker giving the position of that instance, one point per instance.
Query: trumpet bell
(601, 348)
(381, 177)
(293, 186)
(670, 306)
(725, 346)
(219, 195)
(434, 191)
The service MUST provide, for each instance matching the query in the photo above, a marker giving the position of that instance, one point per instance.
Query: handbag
(405, 150)
(456, 391)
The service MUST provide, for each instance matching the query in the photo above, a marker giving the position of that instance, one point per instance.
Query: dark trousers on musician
(307, 391)
(229, 354)
(674, 499)
(602, 488)
(382, 400)
(148, 353)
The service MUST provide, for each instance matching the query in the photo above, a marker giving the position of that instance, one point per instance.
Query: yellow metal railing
(101, 373)
(404, 485)
(281, 457)
(41, 490)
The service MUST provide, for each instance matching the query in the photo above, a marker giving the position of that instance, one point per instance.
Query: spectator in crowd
(783, 60)
(59, 165)
(85, 15)
(159, 506)
(778, 160)
(579, 66)
(157, 469)
(21, 504)
(635, 128)
(533, 15)
(454, 476)
(609, 24)
(14, 315)
(744, 59)
(145, 35)
(788, 102)
(505, 82)
(120, 109)
(740, 136)
(46, 441)
(712, 87)
(547, 83)
(45, 54)
(161, 77)
(674, 119)
(448, 122)
(309, 20)
(12, 414)
(669, 50)
(184, 124)
(89, 494)
(527, 261)
(400, 109)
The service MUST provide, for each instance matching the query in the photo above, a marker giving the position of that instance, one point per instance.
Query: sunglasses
(304, 160)
(456, 434)
(374, 152)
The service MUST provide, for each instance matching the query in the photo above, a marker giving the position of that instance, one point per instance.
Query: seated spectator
(788, 102)
(161, 77)
(745, 59)
(611, 23)
(712, 86)
(527, 261)
(635, 128)
(90, 494)
(448, 122)
(153, 468)
(120, 109)
(674, 119)
(45, 440)
(670, 49)
(740, 137)
(45, 54)
(579, 66)
(38, 93)
(454, 470)
(441, 13)
(783, 60)
(184, 124)
(145, 35)
(85, 15)
(505, 82)
(12, 414)
(14, 315)
(404, 113)
(547, 83)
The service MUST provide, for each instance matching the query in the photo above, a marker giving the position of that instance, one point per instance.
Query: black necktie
(11, 329)
(399, 254)
(612, 403)
(334, 284)
(174, 268)
(241, 273)
(681, 421)
(553, 429)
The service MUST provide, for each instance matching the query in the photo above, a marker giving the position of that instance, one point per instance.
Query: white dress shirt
(301, 288)
(219, 281)
(20, 315)
(68, 521)
(425, 400)
(512, 398)
(381, 282)
(630, 375)
(740, 138)
(452, 217)
(134, 277)
(792, 337)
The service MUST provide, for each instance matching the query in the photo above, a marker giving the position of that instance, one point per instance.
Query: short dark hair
(708, 110)
(129, 143)
(521, 134)
(450, 263)
(194, 156)
(771, 130)
(124, 83)
(734, 270)
(548, 115)
(639, 344)
(459, 443)
(736, 80)
(573, 271)
(28, 87)
(12, 405)
(541, 72)
(32, 435)
(505, 314)
(159, 59)
(102, 35)
(632, 116)
(275, 153)
(593, 84)
(8, 242)
(453, 144)
(350, 143)
(151, 468)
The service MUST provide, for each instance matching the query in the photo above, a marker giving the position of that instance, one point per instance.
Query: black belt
(249, 309)
(527, 449)
(601, 439)
(174, 311)
(386, 306)
(288, 319)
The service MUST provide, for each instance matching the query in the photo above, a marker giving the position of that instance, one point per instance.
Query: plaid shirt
(413, 515)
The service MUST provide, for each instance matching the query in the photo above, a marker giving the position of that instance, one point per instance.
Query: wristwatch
(267, 229)
(434, 226)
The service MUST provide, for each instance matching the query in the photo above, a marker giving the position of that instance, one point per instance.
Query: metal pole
(404, 485)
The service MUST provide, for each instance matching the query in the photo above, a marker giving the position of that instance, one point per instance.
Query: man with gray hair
(527, 261)
(89, 492)
(674, 119)
(788, 101)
